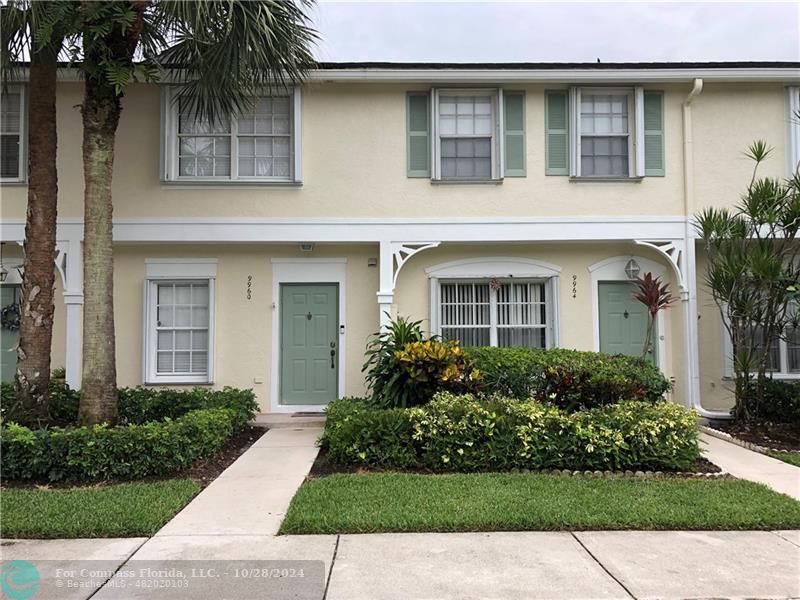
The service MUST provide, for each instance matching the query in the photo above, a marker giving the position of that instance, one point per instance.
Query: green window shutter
(654, 134)
(514, 133)
(418, 134)
(556, 131)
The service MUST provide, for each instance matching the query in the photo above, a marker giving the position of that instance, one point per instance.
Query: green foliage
(139, 405)
(569, 379)
(780, 403)
(356, 431)
(165, 431)
(384, 380)
(752, 273)
(465, 433)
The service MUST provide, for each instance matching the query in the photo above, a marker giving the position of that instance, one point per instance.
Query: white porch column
(689, 301)
(70, 266)
(386, 284)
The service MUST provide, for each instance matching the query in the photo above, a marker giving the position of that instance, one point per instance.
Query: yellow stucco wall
(354, 161)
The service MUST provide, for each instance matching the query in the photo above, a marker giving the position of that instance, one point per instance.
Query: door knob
(333, 354)
(625, 314)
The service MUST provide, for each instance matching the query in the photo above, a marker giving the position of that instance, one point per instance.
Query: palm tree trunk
(101, 111)
(32, 377)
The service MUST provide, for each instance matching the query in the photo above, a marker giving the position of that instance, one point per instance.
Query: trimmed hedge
(465, 433)
(569, 379)
(139, 404)
(160, 438)
(781, 402)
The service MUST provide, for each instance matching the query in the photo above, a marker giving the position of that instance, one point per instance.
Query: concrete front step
(289, 420)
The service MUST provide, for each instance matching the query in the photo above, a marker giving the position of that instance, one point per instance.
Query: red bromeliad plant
(656, 296)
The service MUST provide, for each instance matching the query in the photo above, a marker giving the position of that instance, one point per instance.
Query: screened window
(256, 146)
(466, 126)
(495, 312)
(12, 140)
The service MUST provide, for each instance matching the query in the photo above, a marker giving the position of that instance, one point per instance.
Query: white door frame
(613, 269)
(305, 270)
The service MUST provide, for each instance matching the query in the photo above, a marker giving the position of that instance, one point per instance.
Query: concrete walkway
(746, 464)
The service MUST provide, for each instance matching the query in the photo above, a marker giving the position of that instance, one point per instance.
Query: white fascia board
(787, 75)
(563, 76)
(237, 230)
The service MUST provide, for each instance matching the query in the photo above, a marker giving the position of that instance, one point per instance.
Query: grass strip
(401, 502)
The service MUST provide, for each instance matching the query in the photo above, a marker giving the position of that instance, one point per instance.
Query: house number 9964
(249, 287)
(574, 286)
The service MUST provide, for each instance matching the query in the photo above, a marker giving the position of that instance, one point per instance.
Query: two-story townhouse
(502, 204)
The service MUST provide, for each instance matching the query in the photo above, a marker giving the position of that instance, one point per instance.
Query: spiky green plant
(753, 268)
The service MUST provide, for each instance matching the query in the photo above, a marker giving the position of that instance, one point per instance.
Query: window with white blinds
(182, 328)
(12, 134)
(495, 312)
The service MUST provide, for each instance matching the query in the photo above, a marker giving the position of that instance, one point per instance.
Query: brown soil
(204, 471)
(324, 466)
(776, 436)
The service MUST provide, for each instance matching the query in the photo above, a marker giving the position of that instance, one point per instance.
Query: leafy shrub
(140, 405)
(384, 380)
(570, 379)
(357, 431)
(781, 403)
(466, 433)
(102, 452)
(162, 431)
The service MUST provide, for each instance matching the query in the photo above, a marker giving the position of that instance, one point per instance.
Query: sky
(422, 31)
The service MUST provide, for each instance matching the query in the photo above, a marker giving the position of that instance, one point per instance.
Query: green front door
(623, 320)
(9, 295)
(309, 343)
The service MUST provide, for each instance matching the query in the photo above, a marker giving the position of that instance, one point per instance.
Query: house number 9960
(249, 287)
(574, 286)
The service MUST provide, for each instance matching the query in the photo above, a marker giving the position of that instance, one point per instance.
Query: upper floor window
(604, 133)
(12, 134)
(467, 135)
(466, 142)
(262, 145)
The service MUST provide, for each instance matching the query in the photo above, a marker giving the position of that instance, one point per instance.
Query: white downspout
(690, 274)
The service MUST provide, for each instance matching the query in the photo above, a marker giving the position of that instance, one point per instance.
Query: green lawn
(395, 502)
(119, 510)
(793, 458)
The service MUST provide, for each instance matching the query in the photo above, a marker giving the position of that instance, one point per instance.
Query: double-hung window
(261, 145)
(179, 321)
(13, 155)
(496, 312)
(607, 138)
(603, 133)
(466, 135)
(467, 130)
(783, 357)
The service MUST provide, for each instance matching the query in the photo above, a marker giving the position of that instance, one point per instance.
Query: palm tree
(220, 54)
(37, 30)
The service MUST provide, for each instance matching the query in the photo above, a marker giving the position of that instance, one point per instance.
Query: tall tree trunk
(101, 112)
(36, 320)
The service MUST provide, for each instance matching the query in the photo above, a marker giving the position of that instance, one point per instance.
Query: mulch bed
(203, 471)
(324, 466)
(775, 436)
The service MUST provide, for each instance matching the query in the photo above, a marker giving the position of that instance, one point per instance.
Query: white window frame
(170, 171)
(177, 270)
(792, 129)
(498, 158)
(635, 130)
(22, 167)
(504, 269)
(783, 351)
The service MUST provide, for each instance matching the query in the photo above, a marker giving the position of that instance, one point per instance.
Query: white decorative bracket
(61, 265)
(673, 252)
(402, 251)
